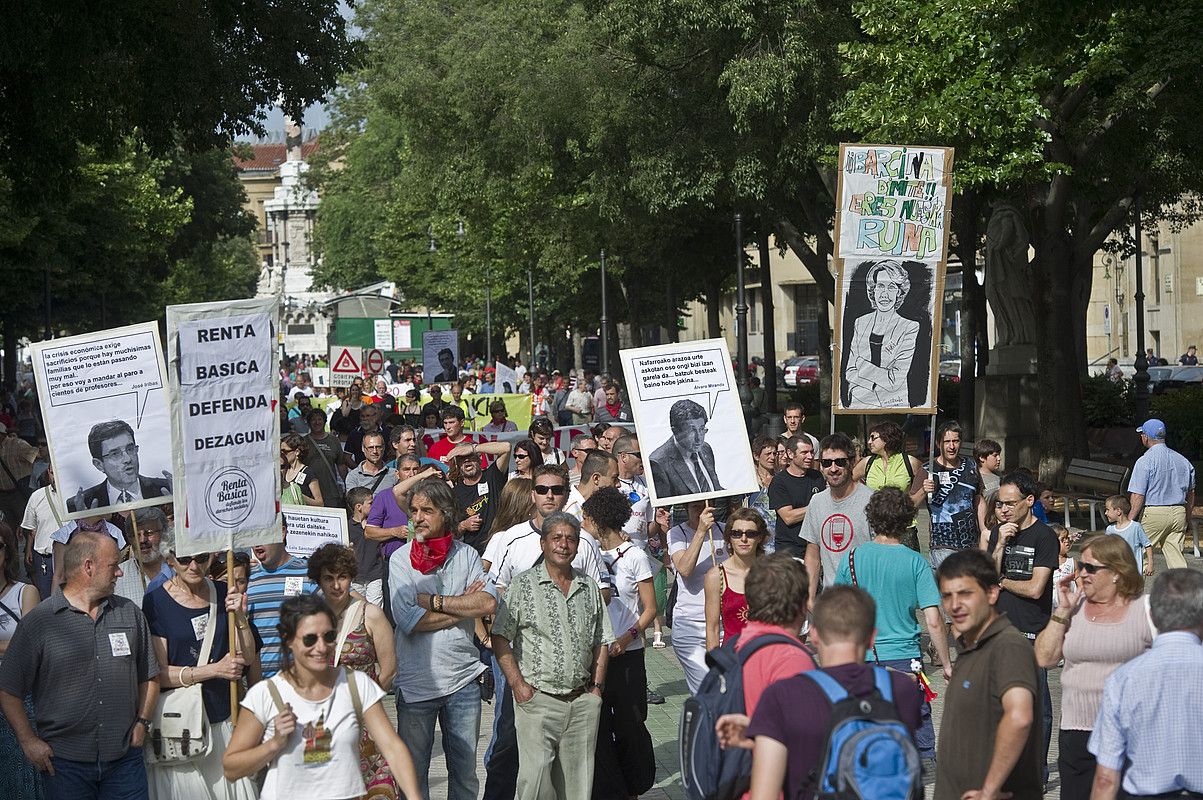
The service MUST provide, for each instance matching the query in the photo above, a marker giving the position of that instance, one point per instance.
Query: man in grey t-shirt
(835, 520)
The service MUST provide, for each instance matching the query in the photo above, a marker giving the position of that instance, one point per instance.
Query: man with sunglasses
(1026, 553)
(478, 491)
(580, 446)
(835, 522)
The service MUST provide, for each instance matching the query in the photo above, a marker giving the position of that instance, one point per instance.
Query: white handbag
(179, 730)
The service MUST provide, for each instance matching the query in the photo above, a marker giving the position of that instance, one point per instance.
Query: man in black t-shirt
(790, 493)
(477, 492)
(1026, 553)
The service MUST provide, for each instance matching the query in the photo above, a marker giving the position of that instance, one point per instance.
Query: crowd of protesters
(533, 573)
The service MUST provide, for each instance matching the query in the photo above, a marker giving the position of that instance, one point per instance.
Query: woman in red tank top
(726, 607)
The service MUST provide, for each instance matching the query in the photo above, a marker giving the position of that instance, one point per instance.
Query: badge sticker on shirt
(482, 489)
(200, 625)
(119, 643)
(293, 585)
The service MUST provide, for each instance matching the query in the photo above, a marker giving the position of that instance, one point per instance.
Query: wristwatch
(601, 687)
(144, 722)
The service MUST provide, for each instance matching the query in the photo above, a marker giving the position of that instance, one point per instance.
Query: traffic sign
(375, 362)
(345, 365)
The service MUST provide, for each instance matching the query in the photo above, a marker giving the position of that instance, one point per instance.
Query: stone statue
(1009, 277)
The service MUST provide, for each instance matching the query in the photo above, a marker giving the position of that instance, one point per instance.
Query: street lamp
(605, 320)
(741, 321)
(1141, 378)
(530, 287)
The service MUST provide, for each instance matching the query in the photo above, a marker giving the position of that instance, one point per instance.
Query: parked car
(950, 368)
(800, 370)
(1165, 379)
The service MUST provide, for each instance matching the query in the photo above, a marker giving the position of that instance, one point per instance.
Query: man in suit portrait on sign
(685, 463)
(115, 453)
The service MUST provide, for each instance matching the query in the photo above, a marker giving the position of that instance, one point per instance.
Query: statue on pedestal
(1009, 277)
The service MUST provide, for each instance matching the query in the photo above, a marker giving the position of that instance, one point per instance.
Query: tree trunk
(1082, 282)
(769, 322)
(634, 314)
(1062, 431)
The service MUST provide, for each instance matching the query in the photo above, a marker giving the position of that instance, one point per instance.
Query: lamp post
(605, 320)
(488, 315)
(1141, 378)
(530, 287)
(741, 321)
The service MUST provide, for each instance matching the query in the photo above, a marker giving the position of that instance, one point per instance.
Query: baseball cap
(1153, 428)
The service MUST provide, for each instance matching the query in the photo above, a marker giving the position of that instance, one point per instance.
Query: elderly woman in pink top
(1096, 629)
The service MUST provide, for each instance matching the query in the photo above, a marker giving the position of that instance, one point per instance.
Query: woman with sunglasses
(527, 456)
(1095, 629)
(298, 487)
(888, 465)
(310, 739)
(726, 606)
(365, 644)
(178, 615)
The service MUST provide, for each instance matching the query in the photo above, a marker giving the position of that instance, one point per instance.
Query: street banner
(561, 437)
(892, 226)
(440, 356)
(310, 527)
(223, 373)
(346, 364)
(104, 404)
(691, 427)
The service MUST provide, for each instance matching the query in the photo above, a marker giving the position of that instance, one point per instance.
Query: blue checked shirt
(1148, 717)
(1163, 476)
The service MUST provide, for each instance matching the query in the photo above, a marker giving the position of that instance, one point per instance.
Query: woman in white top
(695, 547)
(309, 738)
(626, 760)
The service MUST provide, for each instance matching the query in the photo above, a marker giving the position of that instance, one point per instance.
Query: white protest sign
(440, 355)
(223, 371)
(505, 379)
(402, 334)
(690, 423)
(104, 405)
(310, 527)
(320, 376)
(383, 334)
(346, 364)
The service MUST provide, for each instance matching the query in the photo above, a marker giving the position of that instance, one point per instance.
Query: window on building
(300, 329)
(806, 319)
(754, 312)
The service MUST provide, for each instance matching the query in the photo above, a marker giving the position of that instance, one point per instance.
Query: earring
(1115, 580)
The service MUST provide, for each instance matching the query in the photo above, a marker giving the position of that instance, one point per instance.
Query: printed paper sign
(691, 427)
(383, 334)
(105, 408)
(440, 356)
(224, 376)
(402, 335)
(310, 527)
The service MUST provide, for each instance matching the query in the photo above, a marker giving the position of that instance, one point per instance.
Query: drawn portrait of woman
(887, 347)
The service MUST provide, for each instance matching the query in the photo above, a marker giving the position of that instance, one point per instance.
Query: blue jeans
(458, 714)
(43, 574)
(925, 737)
(501, 759)
(121, 779)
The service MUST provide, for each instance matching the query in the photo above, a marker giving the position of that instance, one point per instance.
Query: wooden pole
(232, 625)
(137, 552)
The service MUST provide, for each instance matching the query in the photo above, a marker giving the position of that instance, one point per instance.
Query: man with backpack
(805, 725)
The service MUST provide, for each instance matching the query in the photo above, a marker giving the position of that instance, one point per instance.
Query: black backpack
(708, 771)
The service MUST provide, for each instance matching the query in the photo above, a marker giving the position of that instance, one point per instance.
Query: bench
(1091, 482)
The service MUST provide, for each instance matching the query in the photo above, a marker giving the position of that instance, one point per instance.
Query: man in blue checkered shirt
(1149, 717)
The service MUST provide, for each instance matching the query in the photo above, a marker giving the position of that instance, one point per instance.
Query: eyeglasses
(744, 534)
(1006, 503)
(1089, 568)
(200, 560)
(558, 489)
(310, 639)
(129, 451)
(834, 462)
(286, 452)
(521, 455)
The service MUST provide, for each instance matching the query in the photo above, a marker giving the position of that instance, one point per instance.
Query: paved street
(666, 677)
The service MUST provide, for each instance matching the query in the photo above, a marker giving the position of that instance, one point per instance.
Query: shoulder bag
(179, 730)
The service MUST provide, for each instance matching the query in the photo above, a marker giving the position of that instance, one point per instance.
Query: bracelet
(436, 603)
(183, 681)
(1062, 620)
(634, 633)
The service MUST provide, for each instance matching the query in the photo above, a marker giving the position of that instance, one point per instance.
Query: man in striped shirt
(277, 577)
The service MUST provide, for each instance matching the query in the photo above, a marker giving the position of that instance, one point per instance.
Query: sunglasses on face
(745, 534)
(521, 455)
(556, 490)
(833, 462)
(240, 559)
(201, 560)
(1090, 569)
(310, 639)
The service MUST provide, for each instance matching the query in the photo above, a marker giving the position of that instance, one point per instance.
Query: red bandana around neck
(429, 555)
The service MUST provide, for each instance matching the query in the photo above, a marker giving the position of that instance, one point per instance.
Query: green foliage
(1179, 410)
(1106, 404)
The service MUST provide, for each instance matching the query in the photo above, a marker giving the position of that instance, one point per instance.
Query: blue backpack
(869, 753)
(708, 771)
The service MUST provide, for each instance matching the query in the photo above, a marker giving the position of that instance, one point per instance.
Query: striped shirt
(1143, 722)
(266, 591)
(1163, 476)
